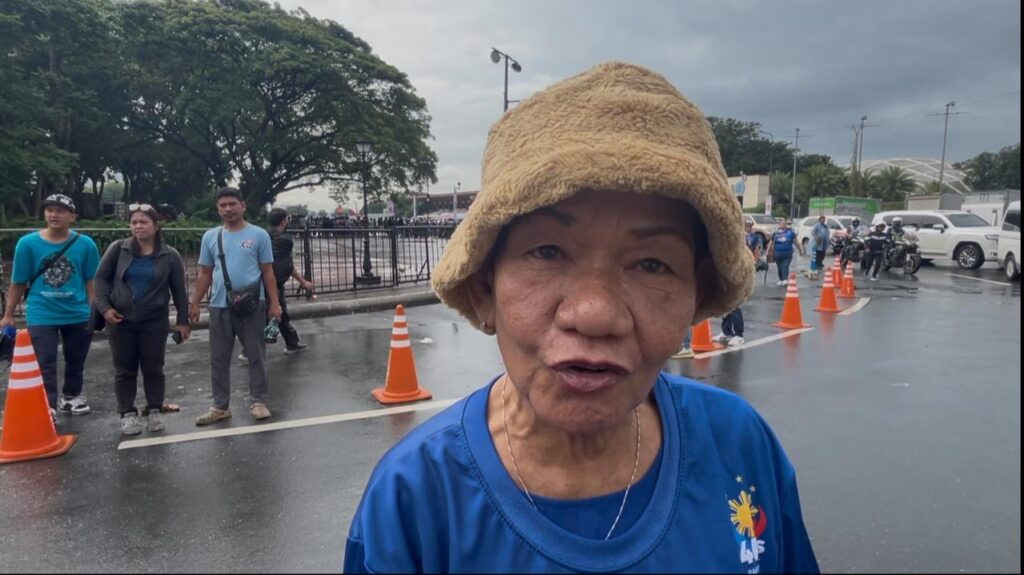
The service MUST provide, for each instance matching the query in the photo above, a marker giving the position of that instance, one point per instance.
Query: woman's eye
(546, 252)
(653, 266)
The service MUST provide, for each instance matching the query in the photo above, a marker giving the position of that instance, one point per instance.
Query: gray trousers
(224, 327)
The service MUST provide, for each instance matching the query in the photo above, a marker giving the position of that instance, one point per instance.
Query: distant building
(924, 171)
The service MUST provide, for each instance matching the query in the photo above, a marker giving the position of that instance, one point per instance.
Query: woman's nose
(594, 305)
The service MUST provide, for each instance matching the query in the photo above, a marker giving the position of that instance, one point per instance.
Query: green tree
(279, 99)
(993, 171)
(890, 184)
(744, 147)
(819, 181)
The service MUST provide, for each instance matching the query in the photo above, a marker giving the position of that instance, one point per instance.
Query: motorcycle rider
(897, 235)
(857, 230)
(874, 250)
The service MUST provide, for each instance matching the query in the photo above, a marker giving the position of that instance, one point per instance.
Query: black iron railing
(331, 258)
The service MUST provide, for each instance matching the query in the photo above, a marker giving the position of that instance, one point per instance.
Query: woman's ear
(480, 289)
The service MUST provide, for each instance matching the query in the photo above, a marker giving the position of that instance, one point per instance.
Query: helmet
(856, 221)
(897, 222)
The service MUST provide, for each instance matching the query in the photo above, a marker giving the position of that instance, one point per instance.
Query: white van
(1009, 241)
(949, 234)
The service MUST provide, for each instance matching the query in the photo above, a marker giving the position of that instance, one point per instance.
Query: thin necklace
(526, 490)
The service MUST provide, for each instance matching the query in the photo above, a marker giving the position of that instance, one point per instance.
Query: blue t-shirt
(244, 250)
(784, 241)
(724, 499)
(753, 241)
(59, 296)
(139, 275)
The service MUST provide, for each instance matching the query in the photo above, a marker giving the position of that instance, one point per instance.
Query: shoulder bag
(245, 301)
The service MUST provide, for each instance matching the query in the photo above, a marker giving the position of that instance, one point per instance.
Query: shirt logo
(247, 244)
(59, 273)
(749, 522)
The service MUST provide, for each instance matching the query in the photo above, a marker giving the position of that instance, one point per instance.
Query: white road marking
(753, 343)
(856, 307)
(1004, 284)
(276, 426)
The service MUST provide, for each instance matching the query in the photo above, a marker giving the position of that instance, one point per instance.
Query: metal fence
(333, 259)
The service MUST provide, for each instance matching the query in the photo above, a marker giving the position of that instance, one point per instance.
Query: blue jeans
(77, 339)
(686, 338)
(782, 262)
(732, 323)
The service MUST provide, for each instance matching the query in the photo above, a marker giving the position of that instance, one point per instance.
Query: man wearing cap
(55, 267)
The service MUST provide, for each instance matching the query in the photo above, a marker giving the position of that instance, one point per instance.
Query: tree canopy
(177, 97)
(993, 171)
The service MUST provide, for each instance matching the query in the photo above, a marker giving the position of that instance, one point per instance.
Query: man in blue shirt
(246, 251)
(56, 266)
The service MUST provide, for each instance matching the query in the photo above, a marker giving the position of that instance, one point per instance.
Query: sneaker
(259, 410)
(684, 353)
(155, 421)
(77, 405)
(296, 348)
(53, 416)
(243, 358)
(781, 283)
(785, 282)
(213, 415)
(721, 338)
(734, 341)
(131, 424)
(874, 278)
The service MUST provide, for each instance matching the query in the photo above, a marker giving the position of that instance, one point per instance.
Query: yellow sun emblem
(743, 513)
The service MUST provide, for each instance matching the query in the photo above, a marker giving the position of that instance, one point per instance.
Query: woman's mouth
(581, 376)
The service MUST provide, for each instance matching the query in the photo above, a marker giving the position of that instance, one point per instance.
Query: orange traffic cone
(828, 303)
(849, 288)
(401, 384)
(792, 317)
(837, 272)
(702, 338)
(28, 431)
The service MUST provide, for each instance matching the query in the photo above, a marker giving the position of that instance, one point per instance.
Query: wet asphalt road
(903, 421)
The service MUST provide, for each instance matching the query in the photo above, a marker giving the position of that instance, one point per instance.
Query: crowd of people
(70, 292)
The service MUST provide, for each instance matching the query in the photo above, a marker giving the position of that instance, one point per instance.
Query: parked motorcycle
(902, 254)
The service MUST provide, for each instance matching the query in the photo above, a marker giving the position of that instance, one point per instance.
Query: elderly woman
(603, 228)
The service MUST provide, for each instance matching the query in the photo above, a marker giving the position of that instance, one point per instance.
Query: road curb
(347, 306)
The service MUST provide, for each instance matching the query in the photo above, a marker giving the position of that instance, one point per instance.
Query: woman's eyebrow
(560, 217)
(652, 231)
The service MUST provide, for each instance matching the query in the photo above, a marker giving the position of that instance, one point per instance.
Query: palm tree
(893, 183)
(821, 181)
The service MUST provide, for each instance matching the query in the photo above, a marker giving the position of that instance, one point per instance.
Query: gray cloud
(819, 65)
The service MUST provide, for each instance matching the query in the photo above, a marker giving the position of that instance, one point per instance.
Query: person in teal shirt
(56, 266)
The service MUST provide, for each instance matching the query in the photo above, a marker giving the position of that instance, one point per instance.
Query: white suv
(1009, 242)
(960, 236)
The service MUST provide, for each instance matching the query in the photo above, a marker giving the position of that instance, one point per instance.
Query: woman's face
(589, 297)
(143, 226)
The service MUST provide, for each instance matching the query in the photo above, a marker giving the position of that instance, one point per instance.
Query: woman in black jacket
(134, 284)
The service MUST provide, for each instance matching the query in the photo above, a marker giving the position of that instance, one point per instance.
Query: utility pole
(945, 130)
(792, 191)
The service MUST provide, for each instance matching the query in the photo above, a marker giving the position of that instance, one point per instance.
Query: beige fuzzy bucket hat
(615, 127)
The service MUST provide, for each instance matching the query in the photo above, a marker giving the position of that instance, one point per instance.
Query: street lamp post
(365, 148)
(792, 191)
(455, 202)
(771, 157)
(496, 56)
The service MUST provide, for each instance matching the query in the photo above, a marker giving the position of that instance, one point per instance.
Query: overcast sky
(817, 65)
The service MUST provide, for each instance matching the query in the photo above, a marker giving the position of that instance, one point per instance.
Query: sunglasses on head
(140, 208)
